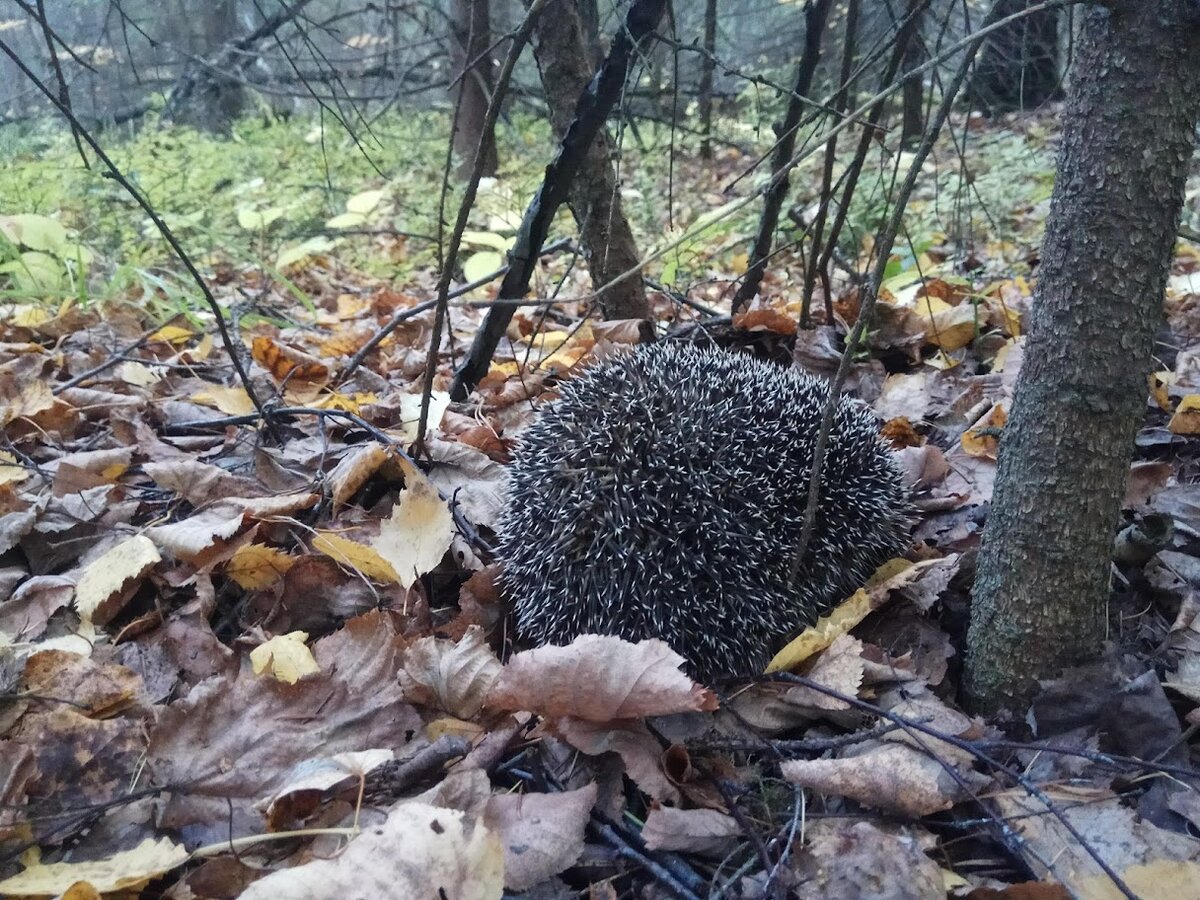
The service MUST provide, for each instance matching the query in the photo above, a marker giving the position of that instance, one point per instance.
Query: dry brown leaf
(98, 690)
(418, 851)
(1109, 827)
(631, 740)
(861, 859)
(287, 364)
(454, 676)
(891, 777)
(704, 831)
(542, 833)
(599, 678)
(234, 738)
(199, 483)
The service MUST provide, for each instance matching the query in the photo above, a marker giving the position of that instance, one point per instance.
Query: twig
(118, 357)
(883, 250)
(519, 39)
(465, 528)
(378, 337)
(911, 725)
(115, 174)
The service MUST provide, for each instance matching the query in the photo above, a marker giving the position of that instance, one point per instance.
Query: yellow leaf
(285, 657)
(1160, 384)
(10, 471)
(822, 633)
(128, 870)
(354, 555)
(418, 534)
(172, 334)
(102, 587)
(1187, 416)
(233, 401)
(256, 566)
(138, 374)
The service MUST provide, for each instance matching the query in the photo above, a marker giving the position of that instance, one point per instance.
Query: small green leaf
(480, 265)
(346, 220)
(308, 248)
(487, 239)
(365, 202)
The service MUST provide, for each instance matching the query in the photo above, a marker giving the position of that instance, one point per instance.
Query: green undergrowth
(277, 192)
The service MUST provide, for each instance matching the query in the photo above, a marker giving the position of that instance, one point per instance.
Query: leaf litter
(244, 662)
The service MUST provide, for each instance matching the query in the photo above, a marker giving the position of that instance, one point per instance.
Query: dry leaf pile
(267, 658)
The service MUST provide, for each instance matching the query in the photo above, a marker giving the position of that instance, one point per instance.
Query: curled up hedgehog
(663, 494)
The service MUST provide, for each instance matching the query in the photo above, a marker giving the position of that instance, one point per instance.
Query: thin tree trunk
(563, 58)
(1043, 579)
(708, 67)
(472, 66)
(913, 110)
(815, 15)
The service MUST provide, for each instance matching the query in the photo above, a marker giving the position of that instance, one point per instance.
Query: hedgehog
(663, 495)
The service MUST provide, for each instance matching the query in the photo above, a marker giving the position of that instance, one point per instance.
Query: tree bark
(708, 67)
(1019, 66)
(472, 66)
(1043, 575)
(815, 15)
(913, 108)
(595, 200)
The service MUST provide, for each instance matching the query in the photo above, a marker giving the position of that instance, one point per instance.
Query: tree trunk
(595, 200)
(1043, 579)
(815, 15)
(708, 66)
(1019, 65)
(472, 66)
(913, 111)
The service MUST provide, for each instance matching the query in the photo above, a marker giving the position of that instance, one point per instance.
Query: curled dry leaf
(418, 851)
(285, 656)
(640, 751)
(110, 580)
(454, 676)
(891, 777)
(542, 833)
(312, 780)
(353, 470)
(599, 678)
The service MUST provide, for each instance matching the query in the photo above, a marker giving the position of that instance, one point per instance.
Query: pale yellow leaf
(286, 657)
(128, 870)
(353, 555)
(419, 532)
(233, 401)
(99, 593)
(256, 566)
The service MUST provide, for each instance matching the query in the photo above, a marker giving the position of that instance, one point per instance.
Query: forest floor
(249, 647)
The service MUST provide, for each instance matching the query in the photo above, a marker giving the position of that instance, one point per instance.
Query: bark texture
(1043, 579)
(472, 65)
(560, 45)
